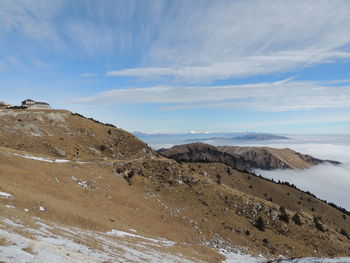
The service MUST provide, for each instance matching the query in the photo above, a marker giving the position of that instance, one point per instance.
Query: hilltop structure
(35, 104)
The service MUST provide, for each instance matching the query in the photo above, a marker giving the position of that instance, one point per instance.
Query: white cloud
(91, 38)
(222, 39)
(270, 96)
(326, 181)
(305, 119)
(240, 67)
(186, 40)
(31, 18)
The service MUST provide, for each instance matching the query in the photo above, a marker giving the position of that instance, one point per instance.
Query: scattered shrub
(297, 219)
(103, 148)
(344, 233)
(260, 224)
(283, 216)
(319, 224)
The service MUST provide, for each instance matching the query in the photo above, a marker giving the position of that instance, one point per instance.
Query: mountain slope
(60, 133)
(136, 202)
(242, 158)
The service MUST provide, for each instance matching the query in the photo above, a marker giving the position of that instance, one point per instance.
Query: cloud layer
(274, 96)
(328, 182)
(187, 40)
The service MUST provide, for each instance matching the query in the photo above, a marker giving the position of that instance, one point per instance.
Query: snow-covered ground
(20, 243)
(41, 159)
(73, 245)
(315, 260)
(5, 195)
(240, 258)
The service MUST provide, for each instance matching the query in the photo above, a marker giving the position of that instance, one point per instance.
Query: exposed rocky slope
(242, 158)
(60, 133)
(129, 202)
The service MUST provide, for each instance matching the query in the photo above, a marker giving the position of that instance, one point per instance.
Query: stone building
(31, 104)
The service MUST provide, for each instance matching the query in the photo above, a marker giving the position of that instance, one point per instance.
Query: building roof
(35, 102)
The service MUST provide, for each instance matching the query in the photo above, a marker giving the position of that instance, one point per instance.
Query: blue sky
(175, 66)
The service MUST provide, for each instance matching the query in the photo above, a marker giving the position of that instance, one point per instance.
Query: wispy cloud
(31, 19)
(185, 40)
(240, 67)
(305, 119)
(91, 38)
(222, 39)
(270, 96)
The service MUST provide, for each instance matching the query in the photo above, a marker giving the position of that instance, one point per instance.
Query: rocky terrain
(243, 158)
(73, 189)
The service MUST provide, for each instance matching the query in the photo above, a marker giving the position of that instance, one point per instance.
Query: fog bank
(326, 181)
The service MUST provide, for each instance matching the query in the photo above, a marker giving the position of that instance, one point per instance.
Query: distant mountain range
(249, 137)
(158, 140)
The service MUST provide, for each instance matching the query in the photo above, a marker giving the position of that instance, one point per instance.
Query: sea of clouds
(326, 181)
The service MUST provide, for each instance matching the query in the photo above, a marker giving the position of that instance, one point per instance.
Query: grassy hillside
(201, 207)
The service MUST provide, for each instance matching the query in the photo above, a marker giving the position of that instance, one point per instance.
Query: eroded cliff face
(243, 158)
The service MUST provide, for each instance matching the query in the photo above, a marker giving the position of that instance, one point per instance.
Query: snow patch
(314, 260)
(42, 159)
(241, 258)
(70, 245)
(5, 195)
(161, 241)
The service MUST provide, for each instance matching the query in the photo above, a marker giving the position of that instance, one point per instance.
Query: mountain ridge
(201, 208)
(243, 157)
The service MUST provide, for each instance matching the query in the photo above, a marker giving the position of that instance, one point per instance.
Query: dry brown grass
(29, 250)
(161, 199)
(4, 242)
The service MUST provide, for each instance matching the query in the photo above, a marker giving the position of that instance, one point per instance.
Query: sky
(176, 66)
